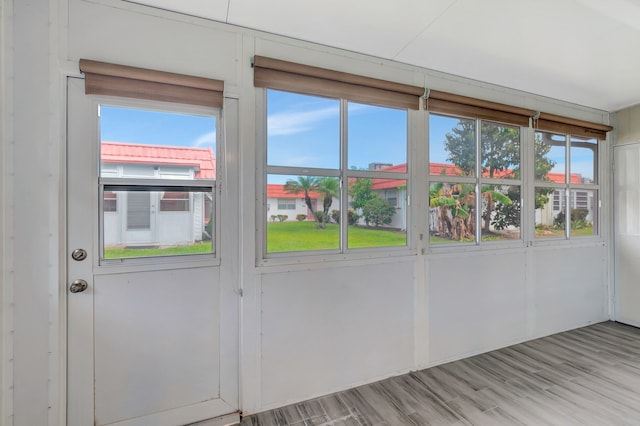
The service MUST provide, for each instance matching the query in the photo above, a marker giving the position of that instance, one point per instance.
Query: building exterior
(156, 218)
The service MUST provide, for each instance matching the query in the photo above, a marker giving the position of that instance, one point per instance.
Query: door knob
(78, 286)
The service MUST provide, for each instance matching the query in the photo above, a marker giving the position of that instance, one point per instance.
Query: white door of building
(152, 336)
(627, 233)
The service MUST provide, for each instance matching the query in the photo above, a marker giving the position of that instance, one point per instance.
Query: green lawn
(303, 236)
(119, 252)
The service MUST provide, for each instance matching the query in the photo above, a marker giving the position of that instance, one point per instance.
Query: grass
(122, 252)
(305, 236)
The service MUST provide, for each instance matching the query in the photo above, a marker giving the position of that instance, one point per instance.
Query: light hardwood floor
(588, 376)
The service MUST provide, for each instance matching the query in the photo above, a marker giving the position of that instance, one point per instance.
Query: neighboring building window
(286, 204)
(460, 163)
(174, 202)
(391, 195)
(110, 202)
(566, 188)
(306, 140)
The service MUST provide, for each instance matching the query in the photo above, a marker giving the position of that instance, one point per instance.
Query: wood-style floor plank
(588, 376)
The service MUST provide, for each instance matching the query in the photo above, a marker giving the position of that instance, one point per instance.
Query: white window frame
(159, 185)
(343, 173)
(567, 187)
(479, 182)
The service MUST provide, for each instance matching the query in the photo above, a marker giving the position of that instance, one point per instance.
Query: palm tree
(455, 204)
(304, 184)
(329, 188)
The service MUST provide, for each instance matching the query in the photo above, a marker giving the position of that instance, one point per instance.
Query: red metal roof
(276, 190)
(202, 159)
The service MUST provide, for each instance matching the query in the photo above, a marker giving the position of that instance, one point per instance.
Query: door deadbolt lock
(79, 255)
(78, 286)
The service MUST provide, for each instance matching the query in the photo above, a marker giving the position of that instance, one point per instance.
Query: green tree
(500, 156)
(361, 192)
(460, 143)
(378, 211)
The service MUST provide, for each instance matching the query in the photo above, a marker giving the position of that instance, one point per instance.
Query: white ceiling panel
(580, 51)
(379, 28)
(209, 9)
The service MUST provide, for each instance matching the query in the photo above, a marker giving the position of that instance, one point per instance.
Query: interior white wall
(626, 190)
(383, 317)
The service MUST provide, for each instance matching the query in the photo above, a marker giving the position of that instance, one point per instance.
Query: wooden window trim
(449, 103)
(103, 78)
(572, 126)
(292, 77)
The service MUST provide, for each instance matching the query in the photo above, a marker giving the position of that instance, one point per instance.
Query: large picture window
(324, 151)
(475, 181)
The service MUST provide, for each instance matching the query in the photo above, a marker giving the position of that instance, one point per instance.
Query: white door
(627, 233)
(153, 339)
(139, 218)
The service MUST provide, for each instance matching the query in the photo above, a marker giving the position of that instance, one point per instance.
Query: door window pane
(377, 138)
(153, 219)
(183, 226)
(452, 146)
(302, 131)
(137, 143)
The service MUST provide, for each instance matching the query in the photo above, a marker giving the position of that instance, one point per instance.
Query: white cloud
(206, 140)
(291, 122)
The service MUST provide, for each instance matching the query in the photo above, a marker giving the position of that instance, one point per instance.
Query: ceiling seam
(423, 30)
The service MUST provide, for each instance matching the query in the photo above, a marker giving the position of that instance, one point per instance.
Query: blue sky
(304, 131)
(156, 128)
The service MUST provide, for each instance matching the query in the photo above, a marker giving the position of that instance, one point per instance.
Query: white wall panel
(477, 302)
(146, 40)
(627, 227)
(570, 287)
(332, 328)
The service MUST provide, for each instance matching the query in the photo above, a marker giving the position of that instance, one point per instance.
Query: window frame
(479, 181)
(106, 184)
(568, 187)
(343, 173)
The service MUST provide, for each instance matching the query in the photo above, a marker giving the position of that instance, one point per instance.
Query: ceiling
(581, 51)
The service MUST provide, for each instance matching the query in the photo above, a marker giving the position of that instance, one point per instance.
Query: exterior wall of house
(388, 314)
(167, 227)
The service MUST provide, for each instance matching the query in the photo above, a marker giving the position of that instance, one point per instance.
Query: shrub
(335, 215)
(273, 217)
(378, 211)
(352, 217)
(578, 219)
(301, 217)
(282, 217)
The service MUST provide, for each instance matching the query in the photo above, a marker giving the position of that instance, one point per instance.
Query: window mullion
(344, 165)
(478, 212)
